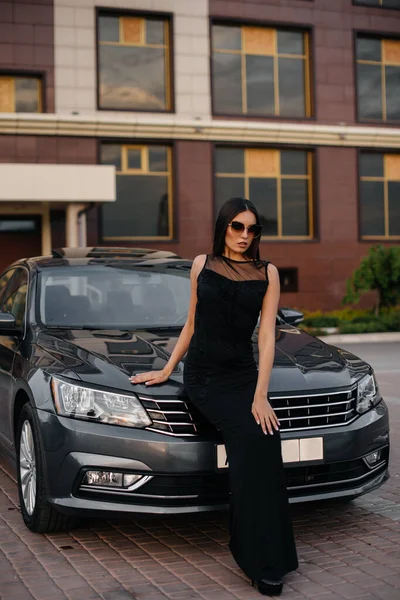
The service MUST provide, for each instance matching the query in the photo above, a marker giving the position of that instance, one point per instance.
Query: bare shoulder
(273, 273)
(198, 264)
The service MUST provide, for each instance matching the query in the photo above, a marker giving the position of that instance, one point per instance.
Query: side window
(15, 298)
(4, 280)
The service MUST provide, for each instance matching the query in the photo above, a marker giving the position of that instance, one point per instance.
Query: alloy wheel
(27, 467)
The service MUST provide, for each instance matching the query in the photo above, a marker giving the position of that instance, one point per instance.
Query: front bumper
(184, 477)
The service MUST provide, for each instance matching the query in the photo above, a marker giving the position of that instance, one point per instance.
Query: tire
(39, 516)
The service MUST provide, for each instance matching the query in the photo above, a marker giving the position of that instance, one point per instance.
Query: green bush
(321, 321)
(379, 271)
(373, 327)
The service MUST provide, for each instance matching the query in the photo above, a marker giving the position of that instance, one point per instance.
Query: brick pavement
(345, 551)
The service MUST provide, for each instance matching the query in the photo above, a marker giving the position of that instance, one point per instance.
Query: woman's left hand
(265, 415)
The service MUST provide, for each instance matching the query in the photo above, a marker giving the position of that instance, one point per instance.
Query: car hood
(107, 359)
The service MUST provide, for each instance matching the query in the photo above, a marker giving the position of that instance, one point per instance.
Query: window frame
(172, 205)
(371, 238)
(312, 178)
(169, 61)
(359, 3)
(28, 74)
(309, 87)
(375, 36)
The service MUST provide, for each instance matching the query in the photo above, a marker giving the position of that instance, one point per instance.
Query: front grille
(177, 416)
(309, 411)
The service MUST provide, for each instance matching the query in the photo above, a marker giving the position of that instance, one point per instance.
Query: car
(76, 325)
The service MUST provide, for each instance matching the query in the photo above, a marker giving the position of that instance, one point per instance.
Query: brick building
(128, 122)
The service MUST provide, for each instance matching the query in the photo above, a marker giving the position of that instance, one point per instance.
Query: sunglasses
(238, 227)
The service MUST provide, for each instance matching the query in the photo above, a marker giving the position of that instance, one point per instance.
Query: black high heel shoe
(268, 587)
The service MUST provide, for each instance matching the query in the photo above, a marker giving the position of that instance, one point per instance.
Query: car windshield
(114, 297)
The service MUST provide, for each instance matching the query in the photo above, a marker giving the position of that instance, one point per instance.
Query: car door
(12, 301)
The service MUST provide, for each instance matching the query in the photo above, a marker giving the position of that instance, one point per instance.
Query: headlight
(80, 402)
(367, 394)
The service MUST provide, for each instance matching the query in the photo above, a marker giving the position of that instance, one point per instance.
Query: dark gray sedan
(75, 326)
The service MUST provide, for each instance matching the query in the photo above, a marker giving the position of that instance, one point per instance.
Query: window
(277, 181)
(143, 209)
(20, 94)
(133, 63)
(14, 301)
(18, 225)
(289, 279)
(384, 3)
(378, 78)
(379, 195)
(260, 71)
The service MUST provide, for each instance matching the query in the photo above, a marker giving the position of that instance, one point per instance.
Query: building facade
(129, 122)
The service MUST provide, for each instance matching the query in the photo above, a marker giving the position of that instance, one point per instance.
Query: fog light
(131, 479)
(106, 478)
(373, 458)
(111, 479)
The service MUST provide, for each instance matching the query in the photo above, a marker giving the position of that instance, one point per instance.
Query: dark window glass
(18, 225)
(291, 87)
(4, 280)
(26, 94)
(394, 207)
(158, 158)
(369, 91)
(260, 84)
(288, 279)
(110, 154)
(227, 83)
(391, 3)
(134, 158)
(263, 192)
(372, 208)
(155, 31)
(368, 49)
(226, 188)
(290, 42)
(392, 93)
(15, 297)
(368, 2)
(132, 77)
(293, 162)
(141, 208)
(108, 29)
(229, 160)
(226, 38)
(295, 207)
(371, 164)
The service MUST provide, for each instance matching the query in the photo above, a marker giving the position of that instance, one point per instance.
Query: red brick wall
(333, 23)
(27, 40)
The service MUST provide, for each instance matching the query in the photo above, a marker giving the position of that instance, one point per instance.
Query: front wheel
(39, 516)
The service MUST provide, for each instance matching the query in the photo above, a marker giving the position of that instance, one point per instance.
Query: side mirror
(290, 315)
(7, 324)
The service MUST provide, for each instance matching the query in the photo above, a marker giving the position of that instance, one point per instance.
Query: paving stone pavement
(345, 551)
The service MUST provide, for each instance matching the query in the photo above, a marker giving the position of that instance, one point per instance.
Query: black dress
(220, 379)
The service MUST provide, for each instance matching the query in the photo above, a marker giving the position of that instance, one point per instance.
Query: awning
(57, 183)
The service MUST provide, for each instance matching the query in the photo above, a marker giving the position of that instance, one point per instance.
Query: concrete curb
(359, 338)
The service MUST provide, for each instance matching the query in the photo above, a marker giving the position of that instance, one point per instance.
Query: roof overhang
(57, 183)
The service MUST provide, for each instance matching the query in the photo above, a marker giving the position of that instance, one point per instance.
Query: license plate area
(296, 450)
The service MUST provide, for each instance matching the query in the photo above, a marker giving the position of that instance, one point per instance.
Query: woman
(229, 289)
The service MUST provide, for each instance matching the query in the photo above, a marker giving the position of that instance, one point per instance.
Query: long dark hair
(226, 215)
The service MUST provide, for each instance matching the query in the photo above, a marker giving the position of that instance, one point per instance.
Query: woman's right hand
(151, 377)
